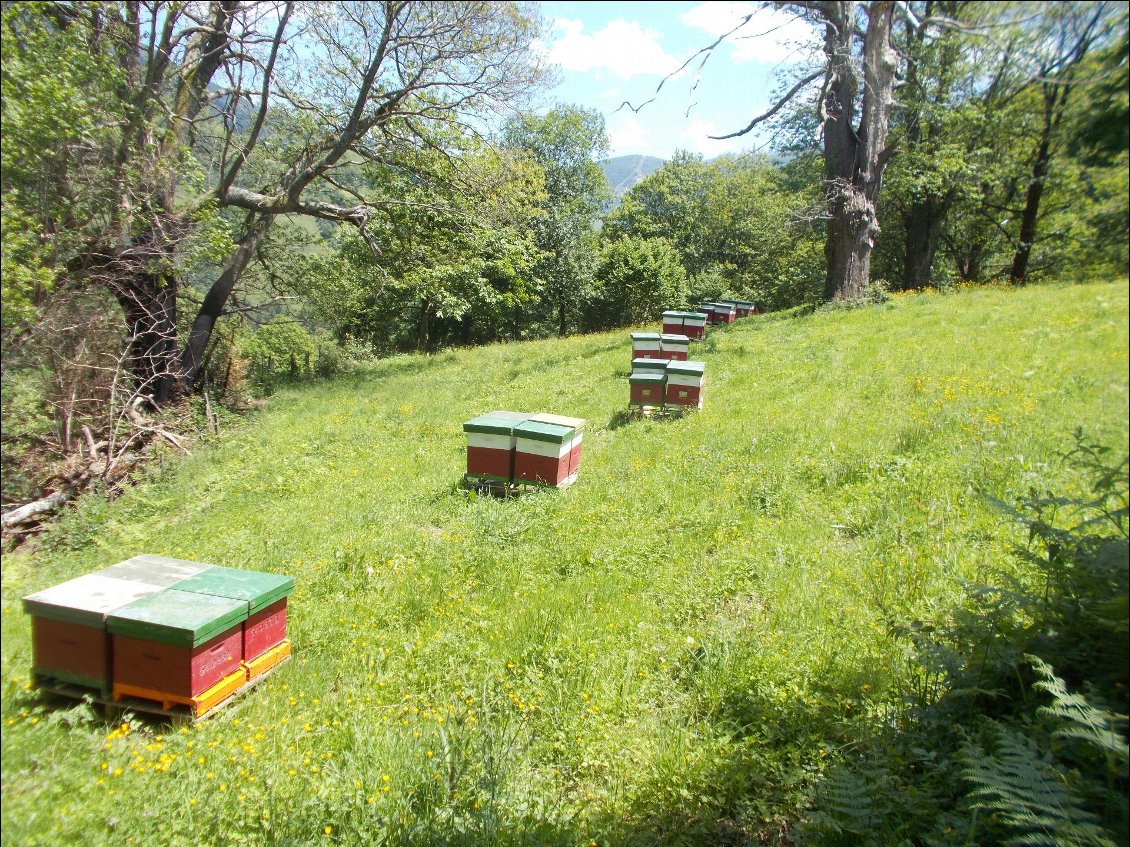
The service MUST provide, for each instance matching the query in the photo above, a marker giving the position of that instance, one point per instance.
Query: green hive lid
(256, 588)
(576, 424)
(649, 364)
(745, 304)
(155, 570)
(538, 431)
(688, 368)
(645, 336)
(698, 315)
(181, 618)
(672, 338)
(672, 314)
(87, 599)
(497, 423)
(647, 378)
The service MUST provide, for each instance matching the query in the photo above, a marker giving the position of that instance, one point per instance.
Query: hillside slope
(623, 172)
(670, 652)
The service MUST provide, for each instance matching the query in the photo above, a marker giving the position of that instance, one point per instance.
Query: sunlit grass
(668, 652)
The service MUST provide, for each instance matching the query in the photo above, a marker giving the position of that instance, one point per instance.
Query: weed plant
(677, 650)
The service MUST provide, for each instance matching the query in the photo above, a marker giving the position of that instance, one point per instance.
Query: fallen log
(30, 511)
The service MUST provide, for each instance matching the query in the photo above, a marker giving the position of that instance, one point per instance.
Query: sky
(610, 52)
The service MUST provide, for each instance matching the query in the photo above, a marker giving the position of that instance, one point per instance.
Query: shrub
(636, 279)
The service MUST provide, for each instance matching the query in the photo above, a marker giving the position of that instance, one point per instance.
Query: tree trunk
(1018, 274)
(192, 357)
(561, 317)
(854, 159)
(923, 223)
(424, 325)
(149, 302)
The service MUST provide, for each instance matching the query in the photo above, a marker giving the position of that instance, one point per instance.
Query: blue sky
(609, 52)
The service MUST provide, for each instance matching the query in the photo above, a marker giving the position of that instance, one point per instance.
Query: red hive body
(684, 384)
(264, 630)
(543, 453)
(176, 644)
(645, 345)
(182, 671)
(490, 445)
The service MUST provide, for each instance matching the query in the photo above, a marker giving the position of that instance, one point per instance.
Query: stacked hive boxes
(646, 345)
(516, 447)
(684, 384)
(490, 446)
(69, 638)
(159, 629)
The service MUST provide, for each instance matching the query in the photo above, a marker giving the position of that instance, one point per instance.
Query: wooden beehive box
(265, 595)
(673, 322)
(578, 427)
(178, 647)
(490, 445)
(744, 308)
(685, 382)
(647, 388)
(645, 345)
(694, 325)
(674, 347)
(542, 453)
(68, 624)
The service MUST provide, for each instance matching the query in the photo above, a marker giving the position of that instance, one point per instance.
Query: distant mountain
(623, 172)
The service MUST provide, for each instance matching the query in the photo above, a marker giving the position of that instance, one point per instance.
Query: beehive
(542, 453)
(657, 366)
(490, 445)
(724, 311)
(674, 347)
(645, 345)
(265, 596)
(708, 310)
(154, 570)
(68, 624)
(685, 383)
(673, 322)
(743, 308)
(694, 324)
(578, 427)
(647, 388)
(177, 646)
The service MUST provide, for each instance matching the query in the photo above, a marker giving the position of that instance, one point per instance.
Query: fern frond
(1028, 796)
(1081, 720)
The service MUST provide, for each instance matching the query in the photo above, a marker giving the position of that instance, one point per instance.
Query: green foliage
(281, 347)
(636, 279)
(739, 226)
(1051, 772)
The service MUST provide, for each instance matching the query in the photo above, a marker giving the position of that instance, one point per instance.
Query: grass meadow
(671, 652)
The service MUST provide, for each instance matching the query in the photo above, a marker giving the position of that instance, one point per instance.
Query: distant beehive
(685, 382)
(674, 347)
(645, 345)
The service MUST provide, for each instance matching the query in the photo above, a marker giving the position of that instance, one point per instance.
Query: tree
(636, 279)
(274, 100)
(567, 144)
(1064, 35)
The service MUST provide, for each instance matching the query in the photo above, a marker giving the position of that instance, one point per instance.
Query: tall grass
(670, 652)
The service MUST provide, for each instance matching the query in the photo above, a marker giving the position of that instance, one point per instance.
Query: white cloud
(623, 47)
(772, 35)
(626, 134)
